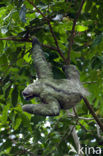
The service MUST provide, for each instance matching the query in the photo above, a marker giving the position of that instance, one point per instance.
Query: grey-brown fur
(54, 94)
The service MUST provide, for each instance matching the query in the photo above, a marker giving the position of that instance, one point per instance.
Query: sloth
(54, 94)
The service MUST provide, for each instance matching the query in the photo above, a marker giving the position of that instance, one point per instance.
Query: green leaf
(14, 96)
(3, 59)
(5, 114)
(26, 118)
(97, 40)
(97, 62)
(81, 28)
(1, 90)
(18, 121)
(27, 57)
(1, 46)
(88, 5)
(7, 91)
(94, 12)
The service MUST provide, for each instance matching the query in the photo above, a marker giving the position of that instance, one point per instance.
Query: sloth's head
(31, 90)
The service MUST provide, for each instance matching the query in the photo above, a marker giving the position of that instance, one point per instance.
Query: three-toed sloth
(54, 94)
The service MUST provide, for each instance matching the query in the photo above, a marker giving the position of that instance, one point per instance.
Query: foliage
(21, 133)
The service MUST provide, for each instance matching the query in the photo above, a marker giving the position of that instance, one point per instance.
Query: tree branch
(49, 47)
(93, 113)
(73, 31)
(51, 29)
(56, 42)
(74, 133)
(13, 38)
(33, 4)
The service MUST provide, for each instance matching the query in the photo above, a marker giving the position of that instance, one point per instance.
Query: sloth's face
(30, 91)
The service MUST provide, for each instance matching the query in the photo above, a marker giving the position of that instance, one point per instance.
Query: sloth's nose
(24, 94)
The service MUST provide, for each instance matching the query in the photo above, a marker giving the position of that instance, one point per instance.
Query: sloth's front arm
(48, 107)
(41, 65)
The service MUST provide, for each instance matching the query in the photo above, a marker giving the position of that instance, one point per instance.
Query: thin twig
(81, 118)
(89, 82)
(73, 31)
(49, 47)
(93, 113)
(75, 112)
(82, 126)
(74, 133)
(33, 4)
(56, 42)
(98, 132)
(51, 29)
(13, 38)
